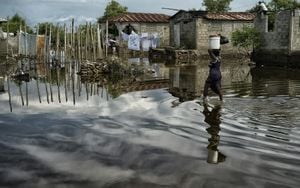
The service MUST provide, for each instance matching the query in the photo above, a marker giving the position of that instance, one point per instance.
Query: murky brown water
(60, 131)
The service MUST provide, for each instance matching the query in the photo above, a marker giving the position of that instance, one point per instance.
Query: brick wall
(211, 27)
(279, 38)
(194, 32)
(162, 29)
(188, 35)
(296, 31)
(280, 47)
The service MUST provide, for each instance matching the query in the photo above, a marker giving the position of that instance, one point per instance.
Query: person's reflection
(213, 118)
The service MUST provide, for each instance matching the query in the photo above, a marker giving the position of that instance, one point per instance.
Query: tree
(246, 38)
(276, 5)
(42, 27)
(112, 9)
(14, 24)
(217, 6)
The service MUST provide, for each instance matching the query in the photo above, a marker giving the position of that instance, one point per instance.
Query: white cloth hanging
(125, 37)
(134, 41)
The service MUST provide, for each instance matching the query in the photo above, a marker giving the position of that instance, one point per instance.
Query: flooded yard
(59, 130)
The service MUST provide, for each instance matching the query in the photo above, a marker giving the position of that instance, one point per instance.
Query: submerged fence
(57, 44)
(22, 44)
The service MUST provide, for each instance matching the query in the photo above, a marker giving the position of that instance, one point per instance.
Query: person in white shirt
(262, 7)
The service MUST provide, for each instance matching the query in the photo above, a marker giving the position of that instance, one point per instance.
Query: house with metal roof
(143, 23)
(191, 29)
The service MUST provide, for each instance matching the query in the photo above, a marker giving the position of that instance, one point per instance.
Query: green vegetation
(112, 9)
(276, 5)
(14, 24)
(43, 26)
(217, 6)
(246, 38)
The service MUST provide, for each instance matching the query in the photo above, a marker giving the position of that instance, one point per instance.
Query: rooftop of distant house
(242, 16)
(141, 18)
(225, 16)
(2, 20)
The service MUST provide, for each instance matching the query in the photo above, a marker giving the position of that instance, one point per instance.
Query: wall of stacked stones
(278, 39)
(162, 29)
(205, 28)
(296, 31)
(188, 35)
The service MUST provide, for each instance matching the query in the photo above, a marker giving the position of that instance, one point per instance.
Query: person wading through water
(213, 80)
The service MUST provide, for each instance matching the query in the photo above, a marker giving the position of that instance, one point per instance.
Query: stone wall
(295, 38)
(211, 27)
(278, 39)
(172, 37)
(194, 32)
(187, 29)
(162, 29)
(280, 47)
(188, 35)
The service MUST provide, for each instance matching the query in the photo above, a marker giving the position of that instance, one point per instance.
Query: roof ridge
(141, 17)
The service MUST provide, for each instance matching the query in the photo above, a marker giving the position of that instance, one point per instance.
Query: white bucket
(214, 42)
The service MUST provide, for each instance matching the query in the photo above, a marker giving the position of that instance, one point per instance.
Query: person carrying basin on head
(214, 78)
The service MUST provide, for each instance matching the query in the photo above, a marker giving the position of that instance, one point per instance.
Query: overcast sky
(35, 11)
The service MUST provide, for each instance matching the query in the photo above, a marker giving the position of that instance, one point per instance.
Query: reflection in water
(275, 81)
(213, 118)
(46, 83)
(183, 82)
(137, 139)
(56, 84)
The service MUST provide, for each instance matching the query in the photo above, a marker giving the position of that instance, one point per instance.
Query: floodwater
(58, 130)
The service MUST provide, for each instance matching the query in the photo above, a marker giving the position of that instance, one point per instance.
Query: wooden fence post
(65, 43)
(7, 37)
(36, 41)
(106, 39)
(100, 52)
(45, 45)
(49, 46)
(57, 44)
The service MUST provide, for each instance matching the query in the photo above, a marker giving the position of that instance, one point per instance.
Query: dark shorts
(214, 84)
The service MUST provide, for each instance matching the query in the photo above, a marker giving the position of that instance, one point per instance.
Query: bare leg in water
(215, 87)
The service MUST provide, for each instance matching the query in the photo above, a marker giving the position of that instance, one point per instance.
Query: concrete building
(191, 29)
(281, 46)
(144, 23)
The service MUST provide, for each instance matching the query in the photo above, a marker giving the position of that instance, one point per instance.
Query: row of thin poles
(68, 84)
(78, 43)
(83, 43)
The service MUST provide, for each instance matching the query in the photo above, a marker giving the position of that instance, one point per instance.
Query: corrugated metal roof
(193, 13)
(141, 17)
(232, 16)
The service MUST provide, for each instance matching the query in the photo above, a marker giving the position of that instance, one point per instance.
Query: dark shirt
(214, 71)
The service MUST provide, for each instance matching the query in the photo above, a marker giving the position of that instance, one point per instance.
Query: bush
(247, 38)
